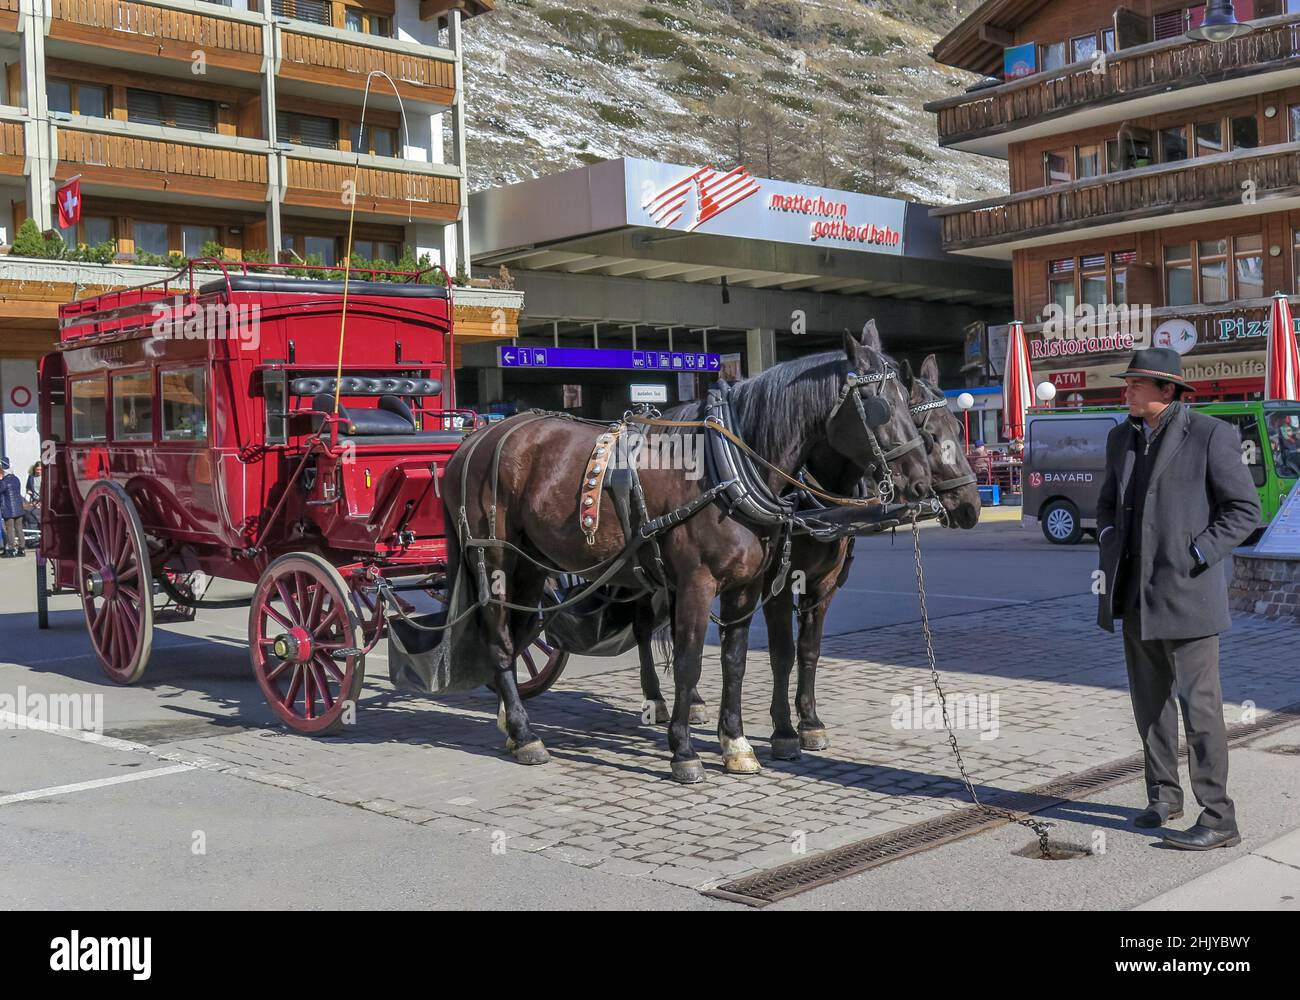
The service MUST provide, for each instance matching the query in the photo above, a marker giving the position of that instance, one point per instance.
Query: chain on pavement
(1039, 827)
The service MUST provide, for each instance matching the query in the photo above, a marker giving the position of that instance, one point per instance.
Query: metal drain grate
(795, 877)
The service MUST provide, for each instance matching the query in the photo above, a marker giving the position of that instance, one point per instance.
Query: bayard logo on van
(1039, 478)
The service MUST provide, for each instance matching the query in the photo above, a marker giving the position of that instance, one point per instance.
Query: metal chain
(1040, 827)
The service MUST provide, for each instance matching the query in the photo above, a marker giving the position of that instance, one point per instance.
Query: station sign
(590, 357)
(649, 393)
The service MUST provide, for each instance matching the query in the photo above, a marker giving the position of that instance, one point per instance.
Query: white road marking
(13, 720)
(81, 786)
(930, 593)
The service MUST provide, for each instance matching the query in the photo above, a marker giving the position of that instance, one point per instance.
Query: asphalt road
(100, 824)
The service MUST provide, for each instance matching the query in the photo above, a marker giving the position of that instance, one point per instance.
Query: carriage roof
(137, 312)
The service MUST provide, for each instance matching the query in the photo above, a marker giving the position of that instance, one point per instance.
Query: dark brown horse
(523, 489)
(823, 567)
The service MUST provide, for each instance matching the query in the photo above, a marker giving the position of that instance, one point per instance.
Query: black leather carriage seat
(388, 422)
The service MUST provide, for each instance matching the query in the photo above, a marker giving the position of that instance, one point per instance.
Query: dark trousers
(14, 534)
(1159, 670)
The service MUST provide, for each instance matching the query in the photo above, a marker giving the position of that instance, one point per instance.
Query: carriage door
(184, 448)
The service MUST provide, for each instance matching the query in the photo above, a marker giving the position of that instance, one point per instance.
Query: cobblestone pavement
(1055, 702)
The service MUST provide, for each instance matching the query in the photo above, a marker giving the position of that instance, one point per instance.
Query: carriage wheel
(541, 662)
(115, 582)
(42, 593)
(304, 639)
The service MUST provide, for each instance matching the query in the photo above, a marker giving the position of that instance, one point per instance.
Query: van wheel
(1060, 520)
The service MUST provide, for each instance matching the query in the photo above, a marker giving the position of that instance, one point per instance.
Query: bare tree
(733, 112)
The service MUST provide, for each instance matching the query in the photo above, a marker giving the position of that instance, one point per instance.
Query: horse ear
(870, 335)
(908, 376)
(930, 370)
(851, 347)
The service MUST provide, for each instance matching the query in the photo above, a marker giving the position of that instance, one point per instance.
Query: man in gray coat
(1177, 499)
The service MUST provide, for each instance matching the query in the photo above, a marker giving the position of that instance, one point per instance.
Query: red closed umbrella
(1282, 375)
(1017, 383)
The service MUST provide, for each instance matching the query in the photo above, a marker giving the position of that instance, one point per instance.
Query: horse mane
(786, 405)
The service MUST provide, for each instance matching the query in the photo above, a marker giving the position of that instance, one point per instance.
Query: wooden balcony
(158, 32)
(8, 15)
(208, 172)
(1223, 181)
(12, 148)
(322, 60)
(395, 193)
(1130, 74)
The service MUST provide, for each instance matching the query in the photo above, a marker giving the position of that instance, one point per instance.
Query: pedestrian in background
(11, 510)
(1177, 499)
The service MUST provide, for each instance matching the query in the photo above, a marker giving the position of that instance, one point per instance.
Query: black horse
(522, 487)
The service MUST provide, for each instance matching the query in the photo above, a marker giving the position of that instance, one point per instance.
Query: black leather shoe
(1157, 814)
(1202, 838)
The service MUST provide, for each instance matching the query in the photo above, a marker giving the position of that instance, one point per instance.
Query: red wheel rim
(300, 620)
(539, 666)
(115, 584)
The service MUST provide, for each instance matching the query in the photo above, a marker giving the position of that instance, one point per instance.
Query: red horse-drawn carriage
(224, 423)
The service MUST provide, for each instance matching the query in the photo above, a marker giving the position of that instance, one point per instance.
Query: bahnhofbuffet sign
(706, 199)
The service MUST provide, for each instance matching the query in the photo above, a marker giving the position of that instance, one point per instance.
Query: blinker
(876, 411)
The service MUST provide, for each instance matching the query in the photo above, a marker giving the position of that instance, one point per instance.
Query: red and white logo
(1035, 479)
(703, 195)
(68, 198)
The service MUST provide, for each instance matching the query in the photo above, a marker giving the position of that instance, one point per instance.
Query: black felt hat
(1161, 363)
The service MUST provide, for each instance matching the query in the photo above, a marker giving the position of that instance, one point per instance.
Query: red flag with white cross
(68, 198)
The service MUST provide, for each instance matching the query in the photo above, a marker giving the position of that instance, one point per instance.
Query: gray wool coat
(1200, 493)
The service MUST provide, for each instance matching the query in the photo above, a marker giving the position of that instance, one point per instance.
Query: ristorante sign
(735, 203)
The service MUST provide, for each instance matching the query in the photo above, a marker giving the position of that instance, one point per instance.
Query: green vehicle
(1065, 460)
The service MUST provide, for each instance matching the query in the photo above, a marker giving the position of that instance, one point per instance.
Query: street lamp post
(964, 402)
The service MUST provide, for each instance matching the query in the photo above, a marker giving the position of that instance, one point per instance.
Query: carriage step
(345, 652)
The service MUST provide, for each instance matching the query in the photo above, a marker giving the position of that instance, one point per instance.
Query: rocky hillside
(823, 91)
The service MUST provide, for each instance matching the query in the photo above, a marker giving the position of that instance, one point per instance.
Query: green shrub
(622, 117)
(211, 248)
(28, 242)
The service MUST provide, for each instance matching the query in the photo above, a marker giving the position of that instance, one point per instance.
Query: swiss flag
(68, 198)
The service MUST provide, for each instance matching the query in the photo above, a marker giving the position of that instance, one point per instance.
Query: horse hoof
(814, 739)
(745, 762)
(699, 715)
(532, 753)
(510, 745)
(785, 748)
(662, 714)
(688, 772)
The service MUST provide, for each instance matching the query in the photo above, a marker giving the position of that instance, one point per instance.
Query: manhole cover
(1057, 850)
(1290, 749)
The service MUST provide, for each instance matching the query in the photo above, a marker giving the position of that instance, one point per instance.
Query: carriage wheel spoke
(295, 616)
(295, 683)
(332, 667)
(317, 599)
(279, 669)
(275, 616)
(321, 629)
(322, 683)
(527, 657)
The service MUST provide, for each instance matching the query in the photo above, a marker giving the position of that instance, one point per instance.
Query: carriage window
(133, 407)
(88, 410)
(185, 405)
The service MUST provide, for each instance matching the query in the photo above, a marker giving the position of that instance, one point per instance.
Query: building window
(1092, 280)
(1052, 56)
(368, 23)
(1060, 280)
(1119, 264)
(193, 238)
(1108, 40)
(88, 414)
(1089, 161)
(184, 406)
(69, 98)
(91, 231)
(1295, 123)
(1173, 144)
(1169, 24)
(1245, 132)
(146, 107)
(1248, 266)
(307, 130)
(1178, 275)
(322, 248)
(151, 237)
(1213, 262)
(376, 250)
(1082, 48)
(1058, 166)
(133, 407)
(312, 11)
(378, 140)
(1209, 138)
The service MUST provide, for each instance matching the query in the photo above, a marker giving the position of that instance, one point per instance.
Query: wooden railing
(12, 146)
(1190, 185)
(131, 21)
(316, 58)
(391, 192)
(151, 164)
(1128, 74)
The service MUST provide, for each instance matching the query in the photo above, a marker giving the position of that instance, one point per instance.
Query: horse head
(952, 479)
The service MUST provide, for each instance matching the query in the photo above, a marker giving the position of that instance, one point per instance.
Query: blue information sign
(586, 357)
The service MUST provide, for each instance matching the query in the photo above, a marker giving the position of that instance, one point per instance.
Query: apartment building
(1149, 170)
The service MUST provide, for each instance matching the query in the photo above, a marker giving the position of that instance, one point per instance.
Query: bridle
(930, 438)
(881, 410)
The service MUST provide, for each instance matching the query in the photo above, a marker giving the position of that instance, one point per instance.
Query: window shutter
(144, 106)
(1169, 24)
(193, 113)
